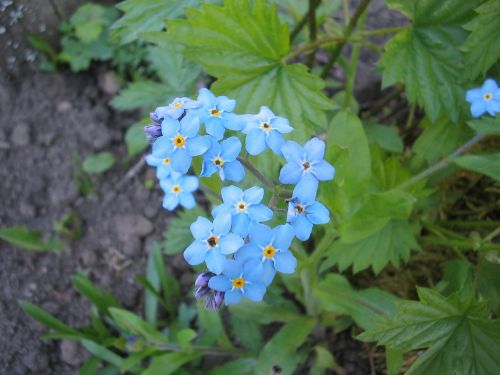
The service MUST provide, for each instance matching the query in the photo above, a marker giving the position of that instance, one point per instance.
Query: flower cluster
(241, 253)
(484, 99)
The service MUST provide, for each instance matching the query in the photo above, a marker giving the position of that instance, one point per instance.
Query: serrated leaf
(385, 136)
(178, 233)
(98, 163)
(248, 63)
(211, 323)
(281, 348)
(426, 58)
(488, 164)
(246, 331)
(457, 334)
(142, 16)
(486, 125)
(243, 366)
(264, 313)
(142, 93)
(29, 239)
(482, 46)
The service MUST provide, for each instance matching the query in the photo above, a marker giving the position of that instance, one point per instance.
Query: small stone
(151, 210)
(37, 184)
(131, 246)
(20, 136)
(70, 352)
(108, 83)
(64, 106)
(130, 225)
(63, 193)
(27, 210)
(103, 140)
(88, 258)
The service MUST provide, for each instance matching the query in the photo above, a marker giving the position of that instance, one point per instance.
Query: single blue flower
(179, 189)
(222, 158)
(180, 142)
(243, 208)
(484, 99)
(212, 243)
(304, 210)
(163, 167)
(174, 109)
(303, 161)
(270, 247)
(265, 129)
(216, 113)
(239, 279)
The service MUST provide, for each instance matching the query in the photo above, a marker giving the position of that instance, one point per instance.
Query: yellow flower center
(488, 96)
(177, 105)
(239, 282)
(299, 208)
(266, 127)
(215, 112)
(241, 206)
(179, 140)
(213, 241)
(269, 251)
(218, 161)
(176, 189)
(166, 161)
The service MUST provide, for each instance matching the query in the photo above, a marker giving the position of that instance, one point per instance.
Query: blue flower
(222, 158)
(270, 247)
(239, 280)
(180, 142)
(163, 167)
(174, 109)
(212, 243)
(304, 210)
(304, 161)
(216, 113)
(179, 190)
(484, 99)
(243, 208)
(265, 129)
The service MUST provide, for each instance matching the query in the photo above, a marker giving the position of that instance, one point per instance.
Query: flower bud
(203, 278)
(153, 131)
(214, 301)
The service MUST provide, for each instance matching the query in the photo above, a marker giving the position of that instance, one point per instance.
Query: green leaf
(246, 331)
(336, 295)
(323, 360)
(28, 239)
(103, 353)
(385, 136)
(280, 350)
(184, 338)
(458, 276)
(458, 336)
(98, 163)
(489, 283)
(213, 329)
(146, 16)
(426, 58)
(488, 164)
(42, 45)
(141, 94)
(394, 359)
(243, 366)
(168, 363)
(178, 234)
(486, 125)
(482, 46)
(103, 300)
(392, 243)
(151, 299)
(248, 63)
(136, 139)
(134, 324)
(264, 313)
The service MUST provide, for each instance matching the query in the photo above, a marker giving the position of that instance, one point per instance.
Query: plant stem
(256, 173)
(303, 20)
(203, 349)
(346, 33)
(458, 244)
(441, 164)
(312, 30)
(492, 235)
(411, 116)
(309, 46)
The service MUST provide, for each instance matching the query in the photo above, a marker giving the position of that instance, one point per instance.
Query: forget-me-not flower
(304, 210)
(212, 243)
(180, 142)
(163, 167)
(484, 99)
(239, 279)
(175, 109)
(222, 158)
(216, 113)
(265, 129)
(303, 161)
(179, 189)
(270, 247)
(243, 208)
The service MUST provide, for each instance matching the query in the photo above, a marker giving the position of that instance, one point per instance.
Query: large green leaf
(488, 164)
(458, 336)
(29, 239)
(243, 46)
(482, 46)
(486, 125)
(426, 58)
(143, 93)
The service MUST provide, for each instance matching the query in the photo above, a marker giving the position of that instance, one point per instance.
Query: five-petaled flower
(242, 208)
(222, 158)
(270, 247)
(180, 142)
(175, 109)
(264, 129)
(305, 161)
(239, 280)
(179, 190)
(163, 167)
(212, 243)
(484, 99)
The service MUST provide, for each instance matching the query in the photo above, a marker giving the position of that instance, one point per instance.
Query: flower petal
(323, 171)
(253, 195)
(260, 212)
(231, 194)
(473, 95)
(281, 124)
(180, 161)
(285, 262)
(255, 141)
(220, 283)
(231, 148)
(170, 201)
(205, 97)
(232, 297)
(306, 189)
(190, 125)
(198, 145)
(201, 228)
(224, 103)
(169, 126)
(230, 243)
(223, 208)
(303, 228)
(477, 109)
(234, 171)
(255, 292)
(195, 253)
(162, 147)
(290, 173)
(489, 86)
(265, 113)
(283, 236)
(292, 151)
(233, 121)
(275, 141)
(213, 126)
(261, 235)
(248, 251)
(187, 200)
(189, 183)
(239, 224)
(208, 168)
(222, 223)
(315, 149)
(215, 261)
(268, 272)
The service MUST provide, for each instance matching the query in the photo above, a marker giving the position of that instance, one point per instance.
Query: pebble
(63, 193)
(88, 258)
(70, 352)
(20, 136)
(27, 210)
(132, 246)
(132, 225)
(108, 83)
(151, 210)
(63, 106)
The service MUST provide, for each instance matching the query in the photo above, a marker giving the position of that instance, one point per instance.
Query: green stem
(256, 173)
(458, 244)
(303, 21)
(203, 350)
(309, 46)
(441, 164)
(312, 30)
(411, 116)
(346, 33)
(492, 235)
(471, 224)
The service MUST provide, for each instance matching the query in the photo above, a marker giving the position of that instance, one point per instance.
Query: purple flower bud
(201, 292)
(154, 117)
(153, 131)
(214, 301)
(202, 279)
